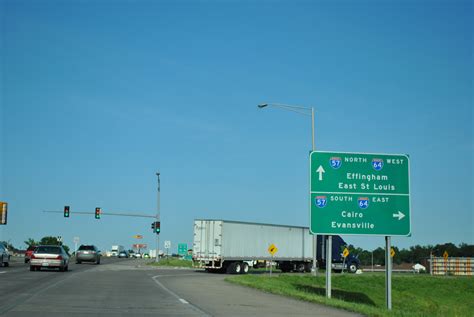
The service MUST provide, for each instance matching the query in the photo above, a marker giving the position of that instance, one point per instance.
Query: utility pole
(157, 258)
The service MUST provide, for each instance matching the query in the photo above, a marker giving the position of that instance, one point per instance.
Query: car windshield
(53, 250)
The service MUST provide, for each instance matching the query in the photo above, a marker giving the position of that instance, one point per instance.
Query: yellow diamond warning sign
(272, 249)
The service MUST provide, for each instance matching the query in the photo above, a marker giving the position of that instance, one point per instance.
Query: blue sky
(96, 96)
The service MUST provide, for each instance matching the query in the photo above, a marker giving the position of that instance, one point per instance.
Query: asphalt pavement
(129, 287)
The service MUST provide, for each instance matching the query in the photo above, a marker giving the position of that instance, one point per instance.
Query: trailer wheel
(308, 267)
(234, 268)
(237, 268)
(245, 268)
(300, 267)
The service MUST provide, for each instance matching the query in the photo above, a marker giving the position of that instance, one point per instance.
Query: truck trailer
(234, 246)
(116, 249)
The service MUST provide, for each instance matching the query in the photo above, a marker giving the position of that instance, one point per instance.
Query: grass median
(412, 295)
(172, 262)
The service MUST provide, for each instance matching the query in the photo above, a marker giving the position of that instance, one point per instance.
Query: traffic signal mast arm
(105, 213)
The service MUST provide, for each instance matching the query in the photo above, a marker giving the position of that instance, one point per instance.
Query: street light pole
(157, 256)
(304, 111)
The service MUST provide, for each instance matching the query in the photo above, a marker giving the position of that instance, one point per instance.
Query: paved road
(126, 287)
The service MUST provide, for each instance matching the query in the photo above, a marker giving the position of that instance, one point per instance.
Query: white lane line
(3, 272)
(155, 278)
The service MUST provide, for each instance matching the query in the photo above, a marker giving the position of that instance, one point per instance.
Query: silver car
(4, 256)
(49, 256)
(88, 253)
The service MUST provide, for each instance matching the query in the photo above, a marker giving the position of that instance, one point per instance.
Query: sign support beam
(328, 265)
(388, 273)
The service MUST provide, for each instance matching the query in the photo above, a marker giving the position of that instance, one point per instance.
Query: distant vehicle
(418, 268)
(29, 252)
(88, 253)
(49, 256)
(116, 250)
(123, 254)
(232, 247)
(146, 256)
(137, 255)
(4, 255)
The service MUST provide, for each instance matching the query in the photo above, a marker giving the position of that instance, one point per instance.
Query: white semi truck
(233, 247)
(116, 249)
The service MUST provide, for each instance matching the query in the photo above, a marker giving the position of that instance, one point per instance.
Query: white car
(137, 255)
(4, 256)
(49, 256)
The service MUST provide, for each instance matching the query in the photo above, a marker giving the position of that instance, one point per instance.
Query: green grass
(172, 262)
(412, 295)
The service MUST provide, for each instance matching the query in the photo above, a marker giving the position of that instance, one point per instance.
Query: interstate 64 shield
(359, 193)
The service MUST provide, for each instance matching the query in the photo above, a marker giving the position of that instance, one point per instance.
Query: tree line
(414, 254)
(48, 240)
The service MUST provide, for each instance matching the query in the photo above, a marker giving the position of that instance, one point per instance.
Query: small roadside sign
(345, 253)
(272, 249)
(137, 236)
(392, 252)
(167, 244)
(445, 255)
(3, 212)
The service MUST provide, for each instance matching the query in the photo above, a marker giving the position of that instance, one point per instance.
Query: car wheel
(78, 262)
(97, 262)
(66, 268)
(6, 263)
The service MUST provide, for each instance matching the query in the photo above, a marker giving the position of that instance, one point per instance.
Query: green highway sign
(360, 193)
(182, 249)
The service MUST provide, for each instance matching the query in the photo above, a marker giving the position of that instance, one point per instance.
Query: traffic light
(66, 211)
(97, 212)
(156, 227)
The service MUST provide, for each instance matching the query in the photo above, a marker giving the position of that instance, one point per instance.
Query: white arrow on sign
(320, 170)
(399, 215)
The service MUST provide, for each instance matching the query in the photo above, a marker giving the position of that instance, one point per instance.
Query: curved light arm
(298, 109)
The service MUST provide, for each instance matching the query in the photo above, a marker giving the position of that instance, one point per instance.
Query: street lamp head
(262, 105)
(157, 174)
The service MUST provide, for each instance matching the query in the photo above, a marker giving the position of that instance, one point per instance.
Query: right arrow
(399, 215)
(320, 170)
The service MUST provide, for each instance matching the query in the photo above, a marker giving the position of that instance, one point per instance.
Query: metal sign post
(388, 273)
(328, 265)
(157, 256)
(76, 241)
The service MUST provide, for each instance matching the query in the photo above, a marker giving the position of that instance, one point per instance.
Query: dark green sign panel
(360, 193)
(182, 249)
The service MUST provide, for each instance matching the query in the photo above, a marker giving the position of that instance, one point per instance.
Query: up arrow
(399, 215)
(320, 170)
